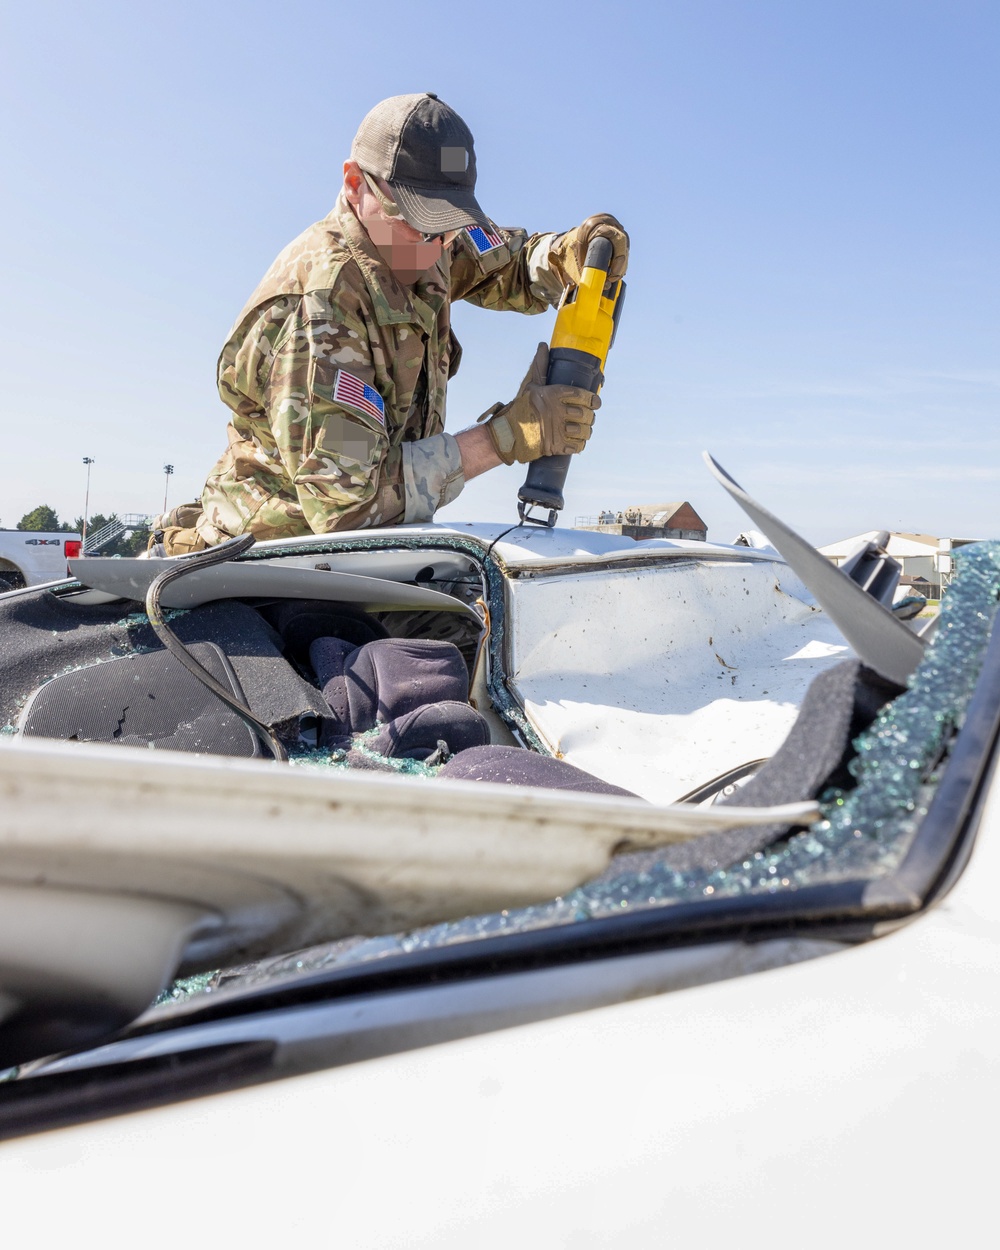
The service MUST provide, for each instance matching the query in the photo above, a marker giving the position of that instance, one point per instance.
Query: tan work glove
(567, 253)
(175, 541)
(541, 420)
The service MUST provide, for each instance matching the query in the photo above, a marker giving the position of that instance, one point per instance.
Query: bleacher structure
(107, 534)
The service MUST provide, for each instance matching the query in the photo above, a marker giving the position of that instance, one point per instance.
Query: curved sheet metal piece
(117, 864)
(131, 578)
(878, 639)
(292, 856)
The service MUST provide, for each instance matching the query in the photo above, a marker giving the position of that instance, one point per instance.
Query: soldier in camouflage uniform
(336, 370)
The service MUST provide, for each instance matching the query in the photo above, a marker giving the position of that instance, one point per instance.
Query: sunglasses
(391, 209)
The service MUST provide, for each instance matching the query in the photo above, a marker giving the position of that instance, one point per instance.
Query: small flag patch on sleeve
(484, 240)
(358, 394)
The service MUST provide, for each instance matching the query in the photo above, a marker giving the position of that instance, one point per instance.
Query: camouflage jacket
(309, 450)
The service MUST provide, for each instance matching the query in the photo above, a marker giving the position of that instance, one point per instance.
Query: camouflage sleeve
(511, 276)
(432, 475)
(337, 456)
(545, 281)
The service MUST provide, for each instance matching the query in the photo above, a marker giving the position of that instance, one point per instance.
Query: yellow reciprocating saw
(585, 329)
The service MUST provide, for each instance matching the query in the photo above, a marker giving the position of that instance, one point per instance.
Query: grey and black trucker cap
(425, 152)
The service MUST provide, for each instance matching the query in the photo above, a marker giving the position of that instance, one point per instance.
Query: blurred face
(404, 249)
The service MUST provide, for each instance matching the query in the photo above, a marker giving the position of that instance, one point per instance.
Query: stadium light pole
(88, 461)
(167, 470)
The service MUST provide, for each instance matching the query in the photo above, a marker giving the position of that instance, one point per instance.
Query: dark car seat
(414, 691)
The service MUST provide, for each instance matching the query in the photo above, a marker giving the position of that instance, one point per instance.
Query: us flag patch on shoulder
(484, 240)
(358, 394)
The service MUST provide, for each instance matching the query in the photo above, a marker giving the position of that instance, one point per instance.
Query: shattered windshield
(867, 826)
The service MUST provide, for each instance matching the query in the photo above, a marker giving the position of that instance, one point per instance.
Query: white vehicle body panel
(524, 546)
(659, 678)
(279, 578)
(842, 1101)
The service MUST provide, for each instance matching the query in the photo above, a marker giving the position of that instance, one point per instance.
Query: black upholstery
(387, 678)
(42, 635)
(415, 735)
(517, 767)
(414, 691)
(328, 657)
(301, 622)
(148, 700)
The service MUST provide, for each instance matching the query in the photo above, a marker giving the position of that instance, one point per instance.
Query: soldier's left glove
(567, 253)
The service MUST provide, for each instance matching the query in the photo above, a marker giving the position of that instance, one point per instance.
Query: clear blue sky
(811, 187)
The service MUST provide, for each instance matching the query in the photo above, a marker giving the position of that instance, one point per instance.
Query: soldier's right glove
(541, 420)
(569, 250)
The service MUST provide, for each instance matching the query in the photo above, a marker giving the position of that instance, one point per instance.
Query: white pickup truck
(28, 557)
